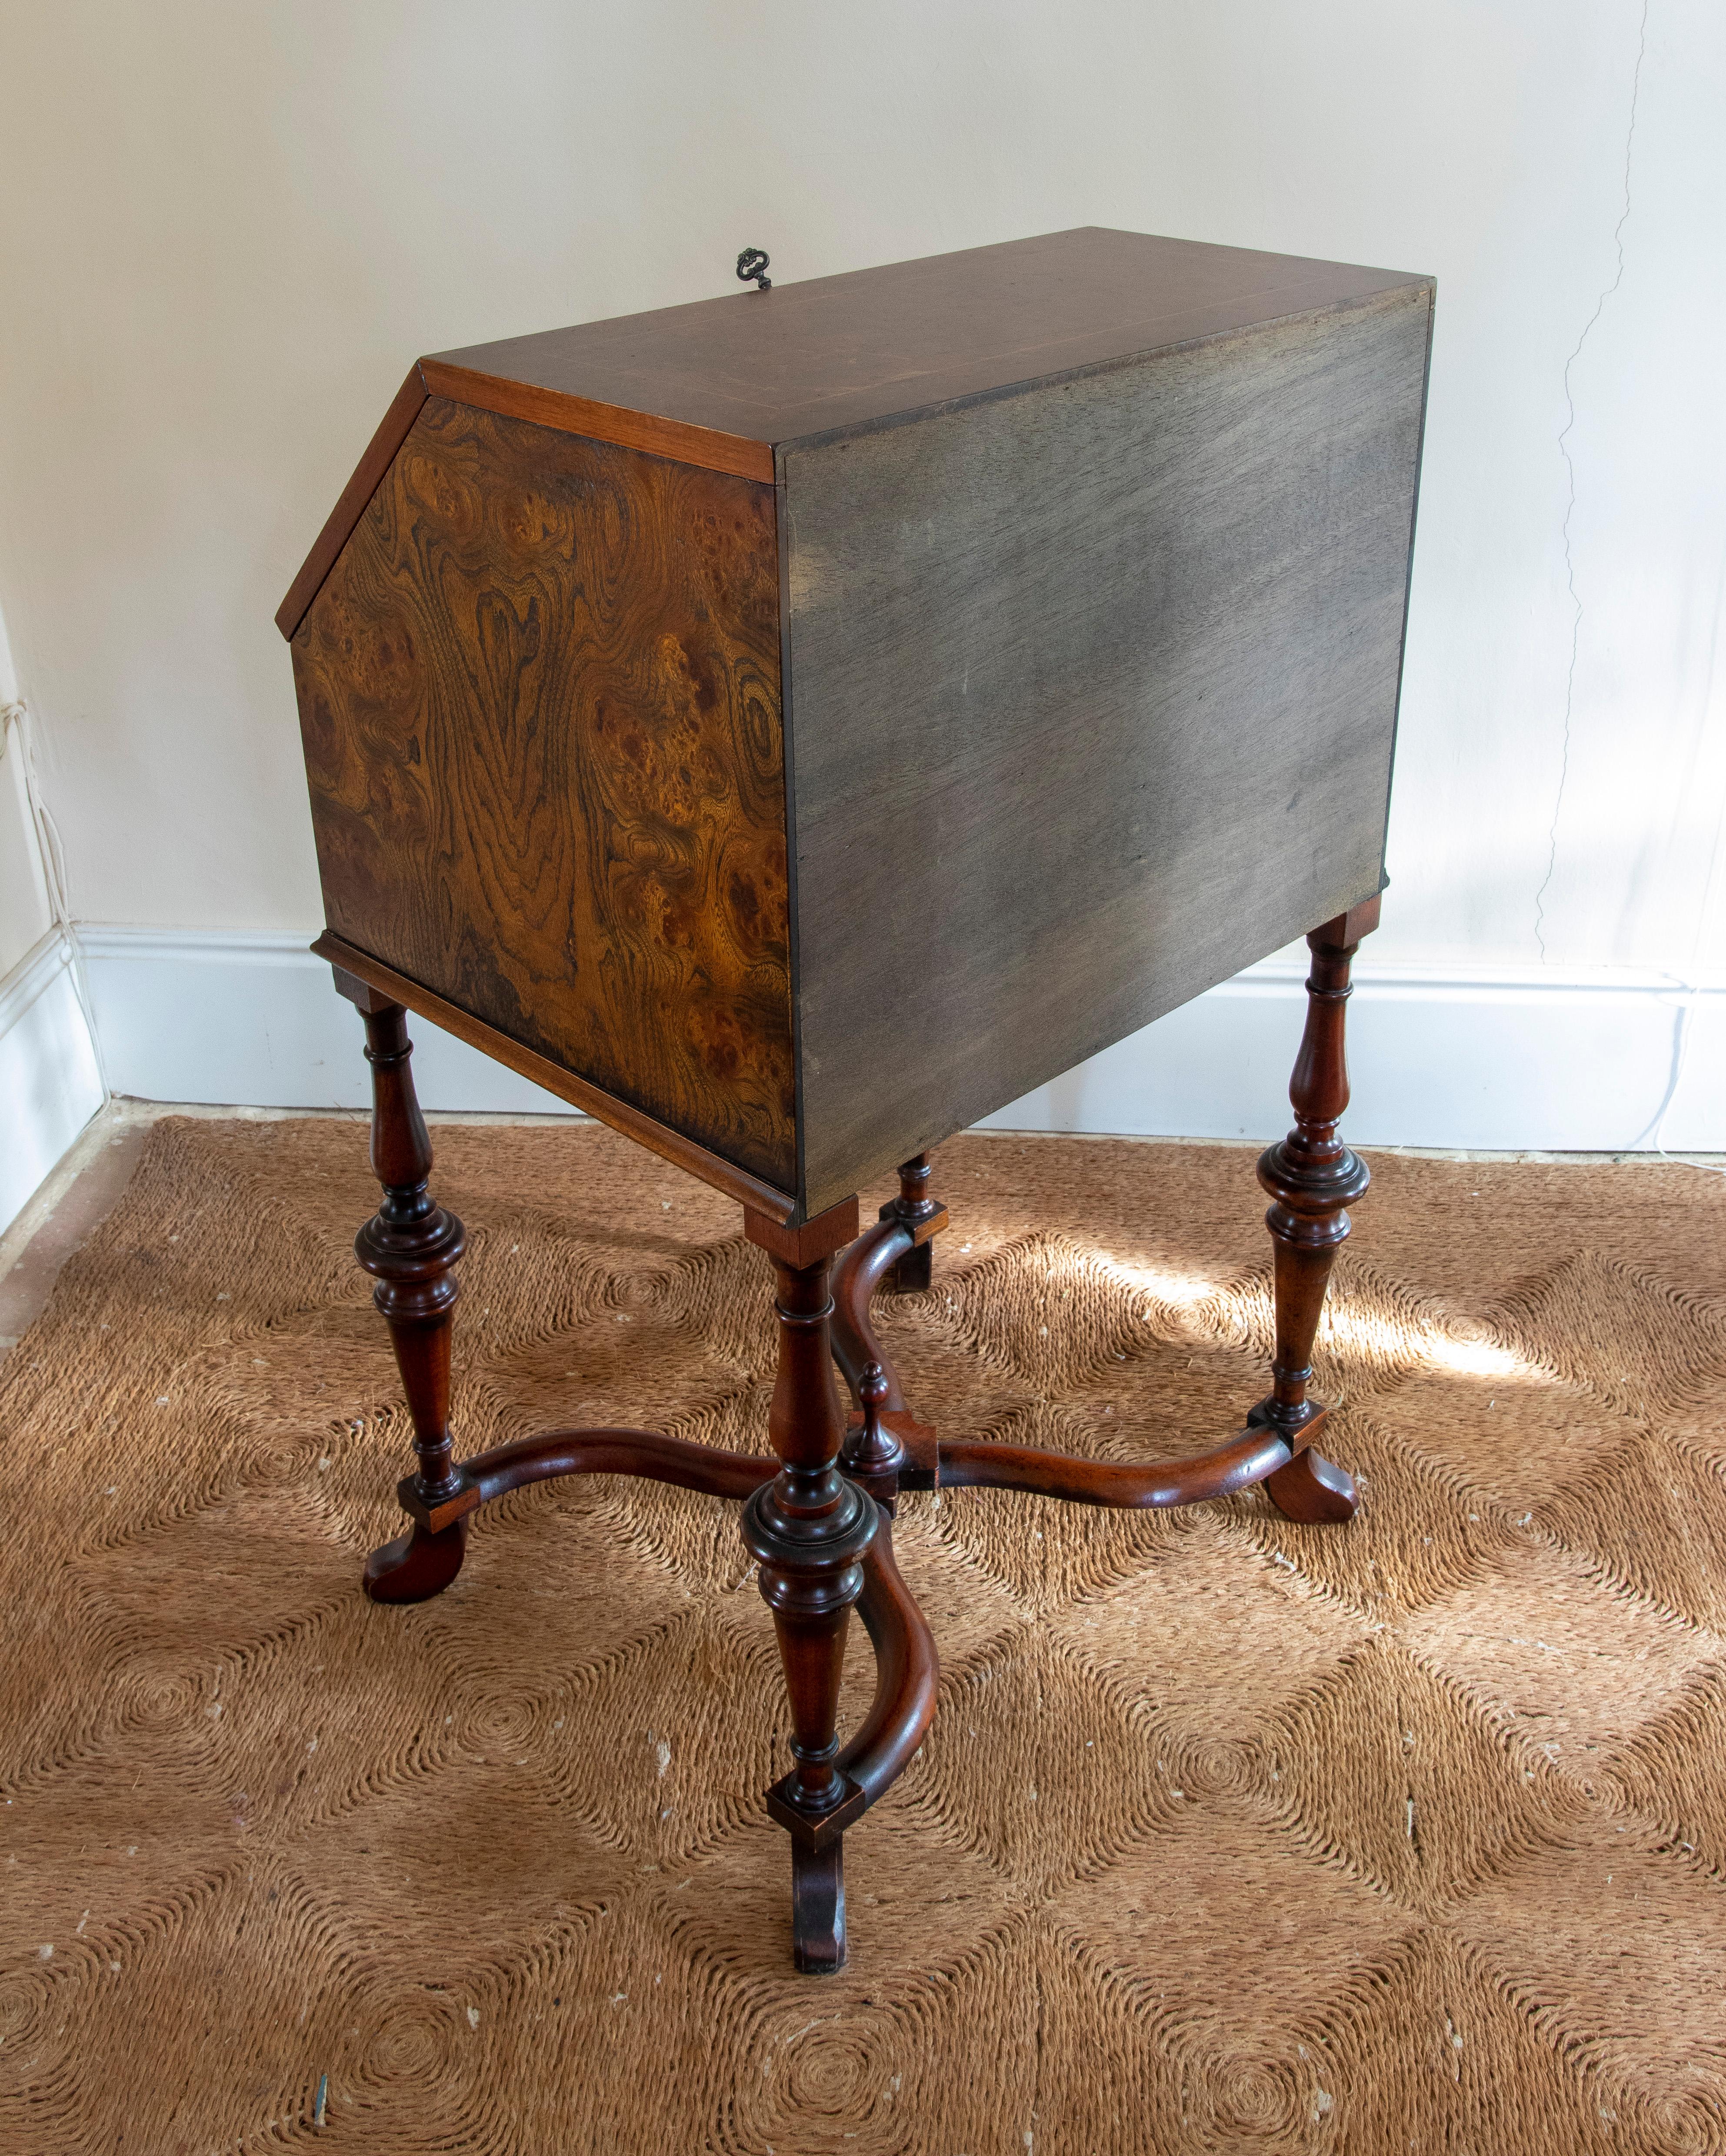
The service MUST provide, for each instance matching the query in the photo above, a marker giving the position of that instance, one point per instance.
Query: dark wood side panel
(778, 1205)
(1109, 719)
(351, 507)
(539, 698)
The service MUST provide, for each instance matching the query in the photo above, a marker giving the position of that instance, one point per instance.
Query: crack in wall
(1565, 432)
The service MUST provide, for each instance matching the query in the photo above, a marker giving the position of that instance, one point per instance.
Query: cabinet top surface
(839, 352)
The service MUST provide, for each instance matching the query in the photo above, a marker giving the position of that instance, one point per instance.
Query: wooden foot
(416, 1566)
(1313, 1490)
(410, 1246)
(914, 1209)
(1312, 1178)
(818, 1908)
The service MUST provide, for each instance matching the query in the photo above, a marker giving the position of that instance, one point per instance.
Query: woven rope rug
(1229, 1835)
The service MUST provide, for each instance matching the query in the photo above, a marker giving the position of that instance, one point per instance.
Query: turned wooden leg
(1312, 1177)
(808, 1529)
(409, 1246)
(913, 1206)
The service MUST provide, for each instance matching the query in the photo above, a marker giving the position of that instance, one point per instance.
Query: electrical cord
(15, 720)
(1691, 990)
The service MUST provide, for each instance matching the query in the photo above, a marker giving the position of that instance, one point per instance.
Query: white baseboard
(248, 1019)
(1556, 1061)
(50, 1083)
(1566, 1060)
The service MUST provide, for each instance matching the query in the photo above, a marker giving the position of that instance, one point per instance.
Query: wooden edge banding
(352, 505)
(676, 439)
(761, 1198)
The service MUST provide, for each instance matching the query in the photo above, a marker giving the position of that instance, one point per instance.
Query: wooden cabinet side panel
(539, 698)
(1092, 692)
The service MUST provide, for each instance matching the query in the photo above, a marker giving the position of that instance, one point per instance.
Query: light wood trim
(601, 423)
(749, 1190)
(354, 501)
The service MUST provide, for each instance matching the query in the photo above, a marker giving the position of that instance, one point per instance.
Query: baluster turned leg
(409, 1246)
(913, 1205)
(807, 1530)
(1312, 1177)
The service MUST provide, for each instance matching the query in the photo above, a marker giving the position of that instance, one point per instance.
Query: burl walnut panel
(540, 701)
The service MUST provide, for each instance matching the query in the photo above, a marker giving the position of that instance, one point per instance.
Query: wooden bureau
(720, 704)
(794, 725)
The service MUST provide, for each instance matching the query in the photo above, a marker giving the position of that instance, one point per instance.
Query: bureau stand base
(817, 1516)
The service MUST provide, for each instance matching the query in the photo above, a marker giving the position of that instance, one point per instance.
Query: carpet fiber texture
(1230, 1834)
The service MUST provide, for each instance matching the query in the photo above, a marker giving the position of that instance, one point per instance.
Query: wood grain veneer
(844, 352)
(814, 719)
(539, 698)
(1109, 718)
(351, 503)
(706, 446)
(353, 965)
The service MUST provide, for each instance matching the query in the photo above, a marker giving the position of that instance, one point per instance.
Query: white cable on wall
(15, 721)
(1687, 1011)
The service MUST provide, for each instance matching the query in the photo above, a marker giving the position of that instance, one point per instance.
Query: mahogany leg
(808, 1529)
(1312, 1177)
(409, 1246)
(913, 1208)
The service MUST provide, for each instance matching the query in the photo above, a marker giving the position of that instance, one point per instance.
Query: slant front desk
(792, 727)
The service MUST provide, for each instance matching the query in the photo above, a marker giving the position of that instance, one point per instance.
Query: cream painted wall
(227, 230)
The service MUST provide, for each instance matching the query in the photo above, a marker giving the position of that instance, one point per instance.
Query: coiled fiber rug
(1230, 1834)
